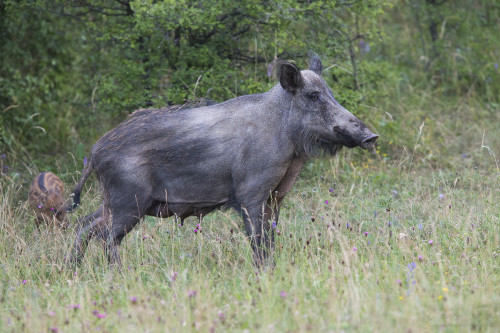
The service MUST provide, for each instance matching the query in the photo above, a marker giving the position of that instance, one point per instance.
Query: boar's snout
(369, 141)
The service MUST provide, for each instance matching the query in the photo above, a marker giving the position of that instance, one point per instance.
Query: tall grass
(363, 244)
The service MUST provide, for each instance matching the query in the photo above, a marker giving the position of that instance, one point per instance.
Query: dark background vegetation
(71, 70)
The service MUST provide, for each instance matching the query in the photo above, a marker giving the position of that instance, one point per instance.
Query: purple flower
(274, 224)
(366, 233)
(355, 249)
(394, 193)
(431, 242)
(375, 213)
(24, 281)
(464, 155)
(85, 161)
(326, 202)
(195, 230)
(283, 294)
(40, 207)
(441, 196)
(133, 299)
(420, 257)
(398, 281)
(3, 156)
(412, 266)
(330, 190)
(496, 67)
(191, 293)
(98, 314)
(74, 306)
(54, 329)
(420, 226)
(174, 276)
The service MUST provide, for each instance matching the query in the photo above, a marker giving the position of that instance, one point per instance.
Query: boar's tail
(87, 170)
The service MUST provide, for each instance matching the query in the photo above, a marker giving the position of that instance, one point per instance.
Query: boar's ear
(315, 64)
(290, 77)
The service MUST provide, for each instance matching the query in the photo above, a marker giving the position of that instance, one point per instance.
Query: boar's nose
(369, 141)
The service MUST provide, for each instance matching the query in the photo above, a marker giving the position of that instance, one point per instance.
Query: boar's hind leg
(124, 219)
(259, 230)
(97, 228)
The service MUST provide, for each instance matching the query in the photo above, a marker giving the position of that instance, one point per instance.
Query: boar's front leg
(258, 227)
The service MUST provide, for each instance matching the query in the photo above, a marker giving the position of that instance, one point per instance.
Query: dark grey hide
(245, 153)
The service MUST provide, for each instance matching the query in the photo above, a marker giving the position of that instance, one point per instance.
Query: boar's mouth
(369, 141)
(351, 142)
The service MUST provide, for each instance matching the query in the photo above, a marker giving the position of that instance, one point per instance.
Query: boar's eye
(313, 96)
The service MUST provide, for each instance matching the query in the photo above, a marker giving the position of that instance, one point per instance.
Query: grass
(363, 244)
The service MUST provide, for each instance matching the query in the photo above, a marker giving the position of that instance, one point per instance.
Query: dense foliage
(70, 70)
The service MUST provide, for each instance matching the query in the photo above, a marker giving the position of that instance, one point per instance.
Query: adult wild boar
(245, 153)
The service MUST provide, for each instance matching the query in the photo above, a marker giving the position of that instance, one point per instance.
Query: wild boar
(46, 199)
(244, 153)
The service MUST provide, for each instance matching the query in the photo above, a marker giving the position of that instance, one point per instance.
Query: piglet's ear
(290, 77)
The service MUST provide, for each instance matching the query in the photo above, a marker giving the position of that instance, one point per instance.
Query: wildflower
(191, 293)
(420, 257)
(326, 202)
(441, 196)
(24, 281)
(174, 276)
(355, 249)
(445, 289)
(74, 306)
(431, 242)
(449, 206)
(98, 314)
(222, 316)
(375, 213)
(40, 207)
(85, 161)
(274, 224)
(195, 230)
(366, 233)
(133, 299)
(398, 281)
(54, 329)
(401, 298)
(144, 237)
(51, 313)
(313, 219)
(412, 266)
(420, 227)
(440, 297)
(330, 190)
(395, 193)
(283, 294)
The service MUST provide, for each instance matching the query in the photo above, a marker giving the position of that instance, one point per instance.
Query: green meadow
(403, 238)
